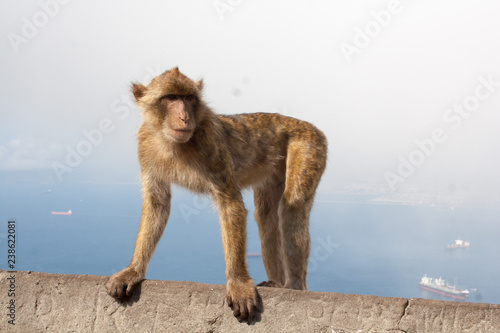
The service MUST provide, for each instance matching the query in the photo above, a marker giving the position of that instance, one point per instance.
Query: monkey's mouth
(181, 135)
(183, 132)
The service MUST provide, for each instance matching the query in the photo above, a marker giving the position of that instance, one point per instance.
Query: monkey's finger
(252, 314)
(109, 289)
(115, 291)
(259, 306)
(236, 309)
(243, 310)
(130, 287)
(112, 291)
(255, 308)
(229, 301)
(252, 309)
(120, 291)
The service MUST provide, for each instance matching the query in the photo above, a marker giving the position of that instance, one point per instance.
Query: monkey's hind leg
(296, 242)
(266, 198)
(304, 169)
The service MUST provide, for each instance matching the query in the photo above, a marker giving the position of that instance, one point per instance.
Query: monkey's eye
(171, 97)
(189, 97)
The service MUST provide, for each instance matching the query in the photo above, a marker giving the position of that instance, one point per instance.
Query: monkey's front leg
(241, 294)
(155, 213)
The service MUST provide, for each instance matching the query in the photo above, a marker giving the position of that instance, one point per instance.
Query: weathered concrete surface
(79, 303)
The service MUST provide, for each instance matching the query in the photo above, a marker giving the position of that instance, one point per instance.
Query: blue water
(356, 248)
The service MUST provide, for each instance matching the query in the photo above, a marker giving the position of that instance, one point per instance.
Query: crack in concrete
(213, 324)
(214, 320)
(155, 321)
(407, 305)
(96, 309)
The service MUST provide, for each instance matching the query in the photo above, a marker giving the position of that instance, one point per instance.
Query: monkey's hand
(121, 284)
(244, 300)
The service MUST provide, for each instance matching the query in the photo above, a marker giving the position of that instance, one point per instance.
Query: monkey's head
(172, 105)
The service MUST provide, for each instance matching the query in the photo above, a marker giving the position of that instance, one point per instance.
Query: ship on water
(459, 244)
(439, 286)
(69, 212)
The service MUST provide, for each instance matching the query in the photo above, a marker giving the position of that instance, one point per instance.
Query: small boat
(254, 254)
(459, 244)
(69, 212)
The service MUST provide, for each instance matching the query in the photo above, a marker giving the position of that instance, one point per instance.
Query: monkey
(182, 141)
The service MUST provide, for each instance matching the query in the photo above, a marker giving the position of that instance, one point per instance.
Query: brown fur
(182, 141)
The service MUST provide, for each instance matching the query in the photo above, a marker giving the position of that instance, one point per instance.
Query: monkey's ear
(138, 90)
(199, 85)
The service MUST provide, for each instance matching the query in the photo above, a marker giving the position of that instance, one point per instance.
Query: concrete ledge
(79, 303)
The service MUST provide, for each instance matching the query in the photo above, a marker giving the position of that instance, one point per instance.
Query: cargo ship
(459, 244)
(439, 286)
(69, 212)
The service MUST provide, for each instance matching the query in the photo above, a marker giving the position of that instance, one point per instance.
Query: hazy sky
(408, 92)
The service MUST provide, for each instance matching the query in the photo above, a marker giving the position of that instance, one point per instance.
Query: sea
(357, 247)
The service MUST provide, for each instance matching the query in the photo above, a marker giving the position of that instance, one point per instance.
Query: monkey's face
(178, 122)
(171, 104)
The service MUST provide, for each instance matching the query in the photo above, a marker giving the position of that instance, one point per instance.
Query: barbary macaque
(182, 141)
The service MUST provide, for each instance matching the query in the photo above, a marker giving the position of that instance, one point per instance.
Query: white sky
(266, 56)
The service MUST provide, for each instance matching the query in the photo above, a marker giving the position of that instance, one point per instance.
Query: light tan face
(171, 105)
(178, 123)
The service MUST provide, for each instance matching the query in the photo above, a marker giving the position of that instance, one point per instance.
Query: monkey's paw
(244, 300)
(270, 284)
(121, 284)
